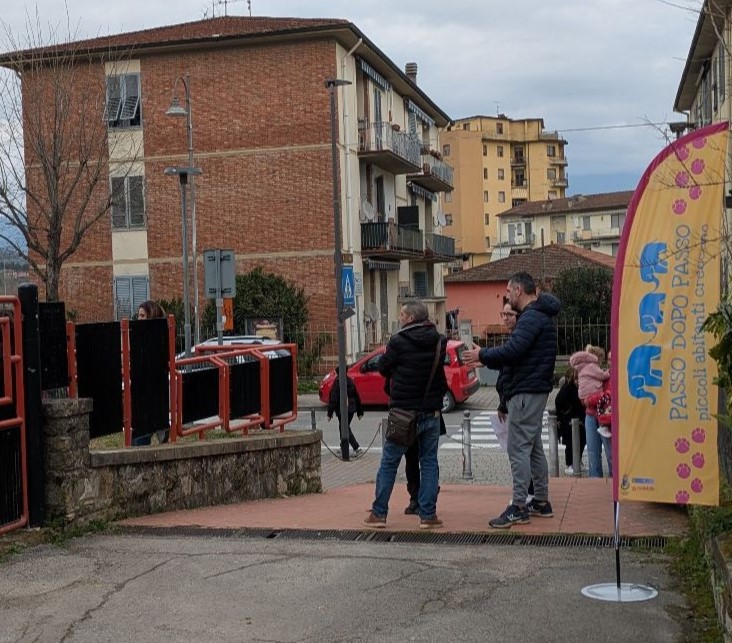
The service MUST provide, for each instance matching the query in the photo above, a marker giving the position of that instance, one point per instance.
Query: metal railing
(375, 137)
(439, 168)
(440, 244)
(390, 236)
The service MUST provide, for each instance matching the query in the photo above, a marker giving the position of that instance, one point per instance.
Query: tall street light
(183, 173)
(176, 109)
(331, 84)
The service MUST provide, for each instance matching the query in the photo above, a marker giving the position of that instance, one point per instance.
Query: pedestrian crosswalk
(482, 435)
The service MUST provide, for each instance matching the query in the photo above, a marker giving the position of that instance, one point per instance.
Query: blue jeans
(428, 438)
(595, 445)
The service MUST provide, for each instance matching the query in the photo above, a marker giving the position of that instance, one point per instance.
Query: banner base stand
(626, 593)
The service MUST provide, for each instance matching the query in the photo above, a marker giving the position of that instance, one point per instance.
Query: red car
(462, 380)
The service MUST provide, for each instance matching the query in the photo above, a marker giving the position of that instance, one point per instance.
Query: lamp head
(336, 82)
(175, 108)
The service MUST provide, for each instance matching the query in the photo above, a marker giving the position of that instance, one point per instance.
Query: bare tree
(55, 148)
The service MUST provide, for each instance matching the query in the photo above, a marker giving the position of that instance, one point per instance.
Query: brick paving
(581, 505)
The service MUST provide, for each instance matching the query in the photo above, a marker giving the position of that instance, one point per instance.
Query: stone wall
(82, 486)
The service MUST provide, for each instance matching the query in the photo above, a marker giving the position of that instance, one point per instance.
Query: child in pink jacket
(591, 379)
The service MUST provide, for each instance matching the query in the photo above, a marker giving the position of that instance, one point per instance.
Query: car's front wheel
(448, 402)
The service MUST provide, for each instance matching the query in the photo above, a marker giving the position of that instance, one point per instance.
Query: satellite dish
(371, 313)
(441, 218)
(367, 211)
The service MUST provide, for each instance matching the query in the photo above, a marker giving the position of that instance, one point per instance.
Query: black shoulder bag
(401, 427)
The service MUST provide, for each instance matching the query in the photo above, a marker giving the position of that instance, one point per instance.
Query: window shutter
(136, 200)
(131, 99)
(122, 297)
(139, 291)
(114, 99)
(119, 203)
(420, 284)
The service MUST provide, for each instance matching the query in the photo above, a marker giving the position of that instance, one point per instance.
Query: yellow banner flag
(667, 282)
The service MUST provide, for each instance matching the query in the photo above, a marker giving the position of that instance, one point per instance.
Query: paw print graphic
(682, 179)
(699, 143)
(697, 166)
(683, 471)
(696, 485)
(682, 497)
(682, 445)
(695, 192)
(698, 460)
(699, 435)
(682, 152)
(679, 206)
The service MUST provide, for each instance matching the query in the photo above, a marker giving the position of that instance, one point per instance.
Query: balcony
(436, 175)
(518, 161)
(519, 241)
(586, 237)
(558, 160)
(395, 151)
(439, 248)
(519, 190)
(560, 182)
(388, 240)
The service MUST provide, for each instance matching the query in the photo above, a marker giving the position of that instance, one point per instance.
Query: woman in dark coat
(354, 407)
(568, 406)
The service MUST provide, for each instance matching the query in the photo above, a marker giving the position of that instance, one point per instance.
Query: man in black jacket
(407, 363)
(527, 362)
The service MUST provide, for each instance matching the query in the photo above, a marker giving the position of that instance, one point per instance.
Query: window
(128, 202)
(552, 194)
(617, 221)
(561, 236)
(129, 293)
(485, 172)
(499, 128)
(487, 218)
(520, 180)
(485, 196)
(551, 150)
(501, 174)
(123, 101)
(720, 74)
(466, 126)
(499, 151)
(485, 150)
(445, 150)
(586, 223)
(420, 284)
(487, 242)
(501, 197)
(448, 219)
(448, 197)
(515, 202)
(551, 174)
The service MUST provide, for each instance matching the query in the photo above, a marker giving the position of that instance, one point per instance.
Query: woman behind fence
(568, 407)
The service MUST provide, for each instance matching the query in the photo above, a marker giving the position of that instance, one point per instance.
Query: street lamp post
(183, 173)
(331, 84)
(176, 109)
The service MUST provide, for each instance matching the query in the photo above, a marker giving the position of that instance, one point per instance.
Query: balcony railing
(438, 246)
(436, 175)
(391, 240)
(394, 150)
(558, 160)
(561, 182)
(519, 240)
(518, 160)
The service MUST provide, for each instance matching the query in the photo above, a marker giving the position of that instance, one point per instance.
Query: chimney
(410, 69)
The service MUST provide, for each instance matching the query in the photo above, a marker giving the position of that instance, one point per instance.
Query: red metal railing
(14, 358)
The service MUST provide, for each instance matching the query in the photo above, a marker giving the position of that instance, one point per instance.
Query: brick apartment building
(261, 133)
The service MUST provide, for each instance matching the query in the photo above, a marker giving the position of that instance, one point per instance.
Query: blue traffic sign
(348, 286)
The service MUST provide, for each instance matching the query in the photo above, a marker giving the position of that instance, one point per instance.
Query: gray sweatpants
(525, 450)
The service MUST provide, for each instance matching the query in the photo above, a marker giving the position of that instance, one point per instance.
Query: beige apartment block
(499, 163)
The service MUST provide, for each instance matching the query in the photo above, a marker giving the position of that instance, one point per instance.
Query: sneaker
(430, 523)
(540, 509)
(372, 520)
(357, 451)
(603, 431)
(513, 515)
(412, 509)
(569, 471)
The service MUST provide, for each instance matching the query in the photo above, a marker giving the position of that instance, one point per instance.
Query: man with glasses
(526, 361)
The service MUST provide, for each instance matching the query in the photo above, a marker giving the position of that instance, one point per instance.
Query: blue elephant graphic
(641, 373)
(649, 311)
(651, 263)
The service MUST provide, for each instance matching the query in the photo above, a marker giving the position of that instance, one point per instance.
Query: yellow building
(498, 163)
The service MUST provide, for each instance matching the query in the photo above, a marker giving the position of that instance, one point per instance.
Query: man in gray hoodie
(526, 362)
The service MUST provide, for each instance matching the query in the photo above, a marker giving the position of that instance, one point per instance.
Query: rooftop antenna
(498, 107)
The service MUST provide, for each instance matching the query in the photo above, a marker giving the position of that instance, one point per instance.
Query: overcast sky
(578, 64)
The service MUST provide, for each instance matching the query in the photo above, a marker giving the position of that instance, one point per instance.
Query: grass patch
(692, 567)
(308, 384)
(117, 440)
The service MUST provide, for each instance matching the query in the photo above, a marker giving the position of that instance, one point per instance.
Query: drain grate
(419, 537)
